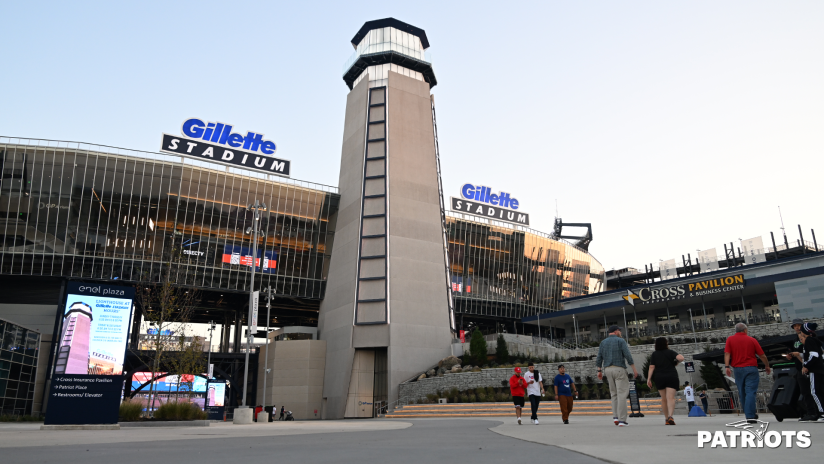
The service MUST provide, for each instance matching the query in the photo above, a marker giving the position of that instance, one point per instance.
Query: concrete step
(548, 408)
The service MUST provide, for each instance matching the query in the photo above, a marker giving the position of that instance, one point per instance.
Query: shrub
(501, 351)
(490, 392)
(477, 347)
(130, 411)
(482, 397)
(179, 410)
(453, 392)
(19, 418)
(432, 397)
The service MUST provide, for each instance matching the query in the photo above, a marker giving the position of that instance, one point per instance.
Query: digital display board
(87, 380)
(215, 399)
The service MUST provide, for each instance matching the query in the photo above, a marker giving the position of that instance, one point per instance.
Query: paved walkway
(587, 440)
(354, 441)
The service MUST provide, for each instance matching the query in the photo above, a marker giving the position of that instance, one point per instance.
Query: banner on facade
(668, 269)
(753, 250)
(708, 260)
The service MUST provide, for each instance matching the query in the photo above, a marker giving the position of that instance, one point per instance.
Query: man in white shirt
(535, 389)
(688, 392)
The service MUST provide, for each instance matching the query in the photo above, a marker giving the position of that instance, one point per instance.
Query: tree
(501, 351)
(711, 373)
(167, 307)
(477, 347)
(189, 361)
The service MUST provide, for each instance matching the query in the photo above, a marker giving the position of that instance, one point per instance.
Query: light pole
(266, 355)
(209, 362)
(255, 209)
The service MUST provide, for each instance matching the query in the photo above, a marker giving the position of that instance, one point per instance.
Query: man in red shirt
(517, 385)
(740, 352)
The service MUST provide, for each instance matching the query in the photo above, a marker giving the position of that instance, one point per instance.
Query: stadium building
(379, 274)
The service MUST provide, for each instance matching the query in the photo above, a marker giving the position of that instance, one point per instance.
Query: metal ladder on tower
(443, 220)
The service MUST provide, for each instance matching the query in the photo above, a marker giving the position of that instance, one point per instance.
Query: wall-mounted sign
(216, 143)
(88, 371)
(650, 295)
(480, 201)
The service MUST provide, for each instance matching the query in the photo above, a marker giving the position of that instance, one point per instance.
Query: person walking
(282, 412)
(689, 394)
(535, 389)
(662, 371)
(564, 387)
(813, 370)
(613, 356)
(517, 385)
(740, 359)
(704, 401)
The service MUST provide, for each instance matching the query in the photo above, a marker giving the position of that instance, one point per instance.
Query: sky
(670, 126)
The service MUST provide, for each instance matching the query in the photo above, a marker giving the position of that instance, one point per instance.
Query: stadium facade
(379, 265)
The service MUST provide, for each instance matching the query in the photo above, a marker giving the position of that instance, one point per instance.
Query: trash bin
(257, 410)
(269, 411)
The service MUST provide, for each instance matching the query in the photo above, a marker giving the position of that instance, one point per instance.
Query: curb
(194, 423)
(81, 427)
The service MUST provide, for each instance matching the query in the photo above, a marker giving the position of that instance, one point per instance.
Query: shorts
(666, 381)
(519, 401)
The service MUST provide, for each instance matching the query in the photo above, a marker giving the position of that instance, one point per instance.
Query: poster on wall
(87, 380)
(215, 399)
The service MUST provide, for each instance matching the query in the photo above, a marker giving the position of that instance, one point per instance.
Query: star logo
(759, 428)
(630, 297)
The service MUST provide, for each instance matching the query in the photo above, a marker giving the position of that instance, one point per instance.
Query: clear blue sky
(671, 126)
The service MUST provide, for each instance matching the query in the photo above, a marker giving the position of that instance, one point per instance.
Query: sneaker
(519, 421)
(808, 419)
(670, 421)
(622, 424)
(536, 422)
(820, 419)
(566, 422)
(754, 421)
(615, 420)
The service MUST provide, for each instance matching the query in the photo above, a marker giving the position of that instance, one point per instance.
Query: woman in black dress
(662, 371)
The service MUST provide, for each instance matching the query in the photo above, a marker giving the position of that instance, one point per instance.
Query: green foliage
(605, 390)
(585, 393)
(130, 411)
(478, 348)
(712, 374)
(501, 351)
(179, 411)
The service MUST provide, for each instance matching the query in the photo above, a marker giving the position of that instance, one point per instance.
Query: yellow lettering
(739, 279)
(728, 281)
(691, 286)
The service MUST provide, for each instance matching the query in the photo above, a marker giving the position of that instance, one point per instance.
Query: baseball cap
(518, 370)
(613, 328)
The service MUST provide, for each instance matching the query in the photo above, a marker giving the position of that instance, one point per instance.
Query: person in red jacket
(517, 385)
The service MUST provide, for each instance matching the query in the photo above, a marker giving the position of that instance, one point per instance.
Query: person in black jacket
(813, 368)
(806, 404)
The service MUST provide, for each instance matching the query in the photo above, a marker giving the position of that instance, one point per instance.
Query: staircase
(548, 408)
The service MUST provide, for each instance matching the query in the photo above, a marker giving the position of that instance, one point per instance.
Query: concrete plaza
(588, 439)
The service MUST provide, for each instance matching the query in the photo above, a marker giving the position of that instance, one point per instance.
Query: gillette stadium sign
(481, 201)
(216, 143)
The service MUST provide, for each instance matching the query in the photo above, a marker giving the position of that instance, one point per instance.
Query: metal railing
(726, 402)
